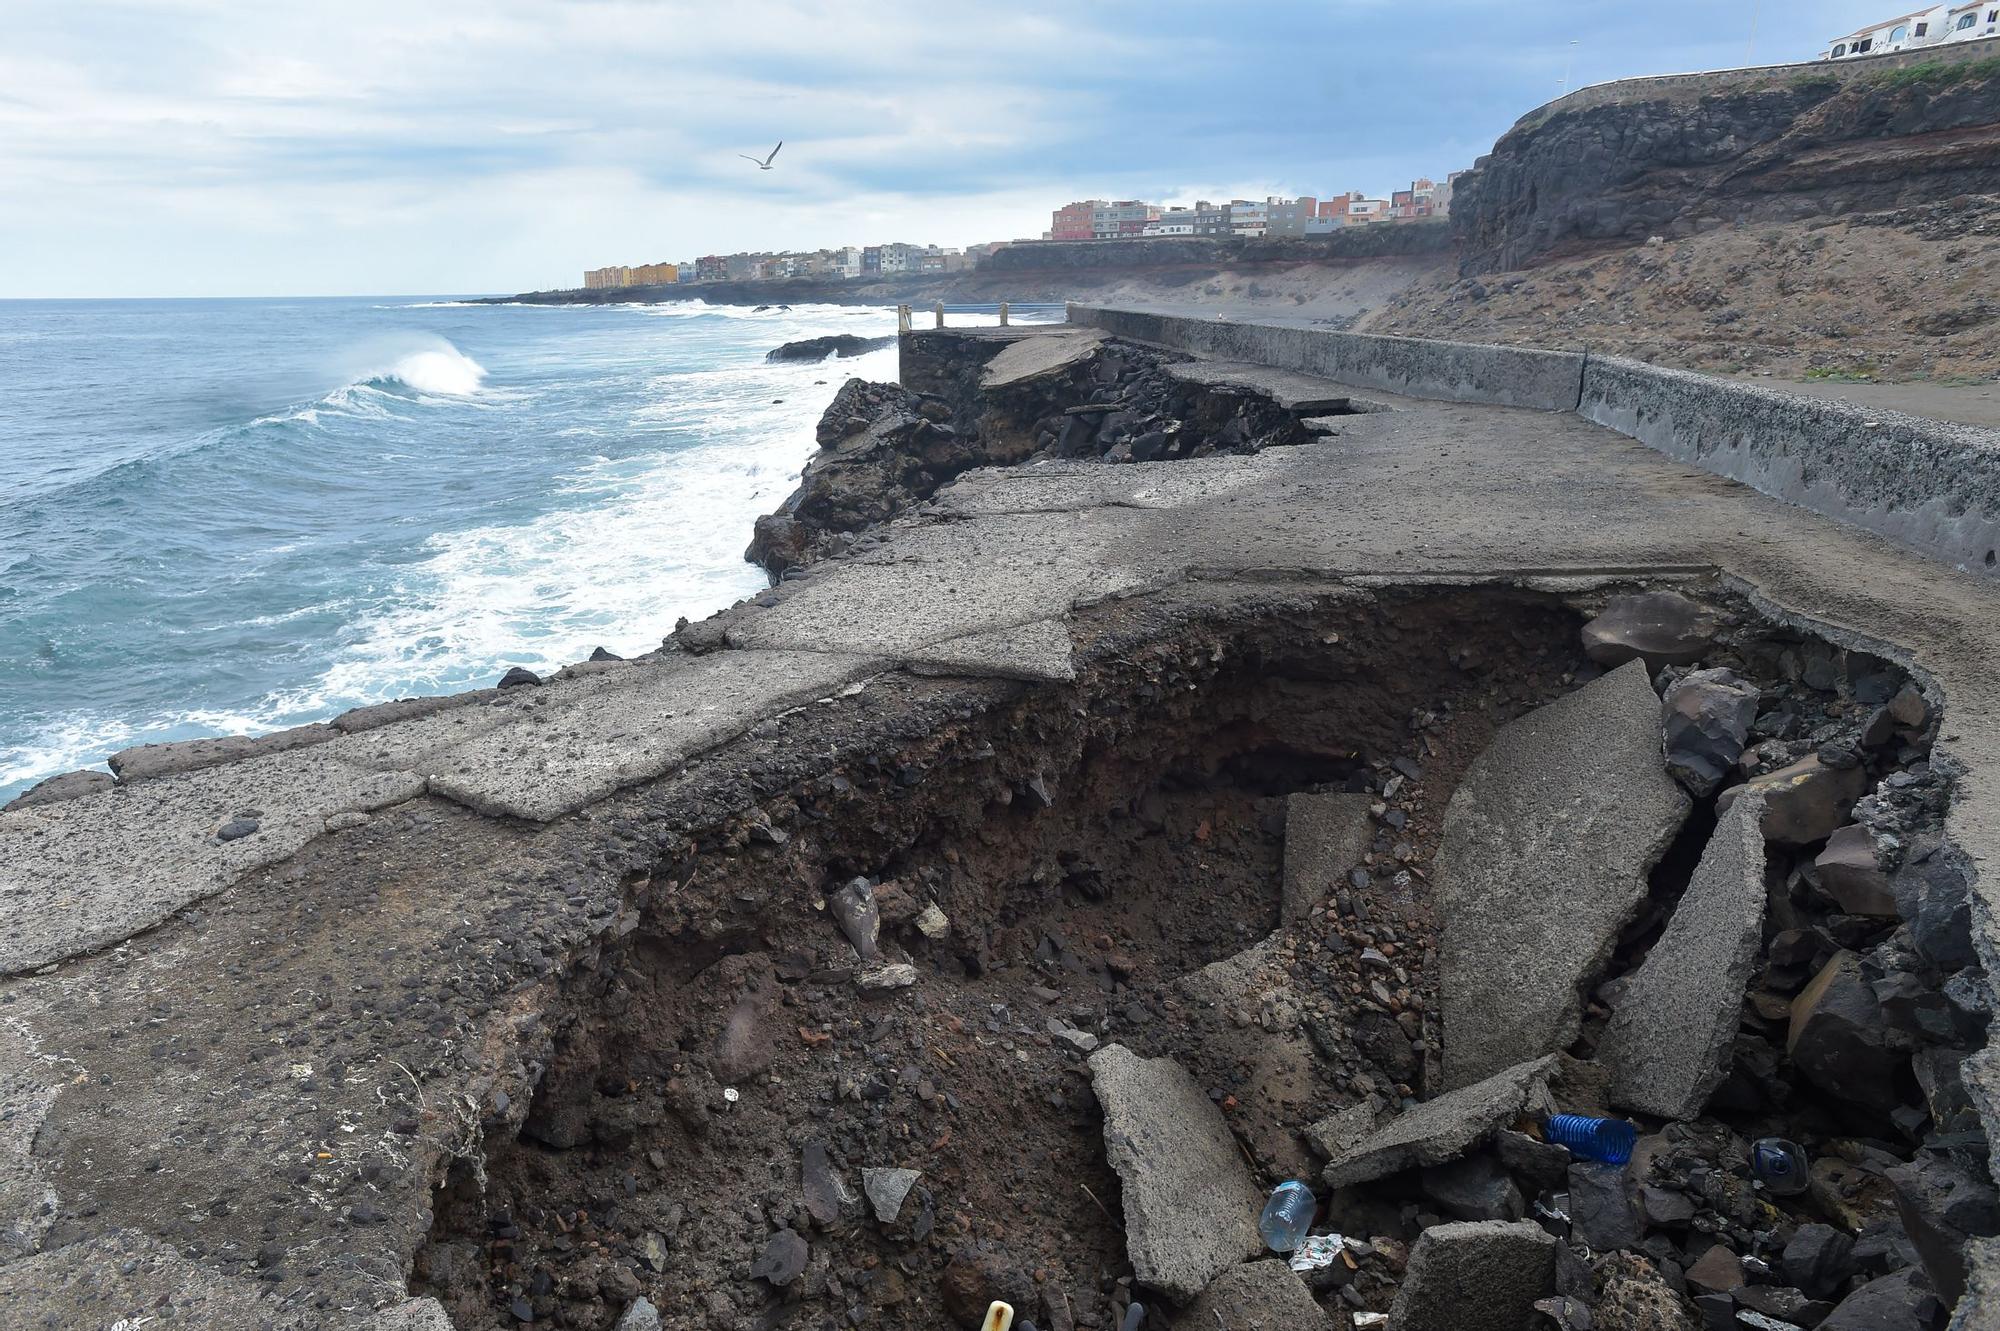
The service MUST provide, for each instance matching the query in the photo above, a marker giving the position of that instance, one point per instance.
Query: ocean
(223, 517)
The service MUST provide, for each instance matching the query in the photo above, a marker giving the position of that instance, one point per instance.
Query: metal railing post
(940, 314)
(1003, 314)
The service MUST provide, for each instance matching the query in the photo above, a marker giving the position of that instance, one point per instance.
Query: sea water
(226, 517)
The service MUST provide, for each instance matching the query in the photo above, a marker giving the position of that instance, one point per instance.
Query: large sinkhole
(737, 1082)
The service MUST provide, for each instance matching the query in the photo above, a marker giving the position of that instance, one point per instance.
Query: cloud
(224, 147)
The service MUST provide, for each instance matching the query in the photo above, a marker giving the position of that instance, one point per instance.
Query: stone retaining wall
(1408, 366)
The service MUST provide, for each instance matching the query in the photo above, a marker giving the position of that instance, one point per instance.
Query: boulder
(1943, 1206)
(1476, 1273)
(1547, 845)
(1190, 1206)
(1325, 836)
(1267, 1295)
(1893, 1303)
(1819, 1259)
(843, 345)
(1668, 1043)
(1839, 1041)
(55, 789)
(1804, 802)
(1445, 1128)
(1704, 723)
(1662, 628)
(1850, 874)
(1604, 1206)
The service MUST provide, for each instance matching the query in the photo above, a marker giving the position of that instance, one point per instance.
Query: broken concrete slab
(1035, 652)
(1476, 1273)
(1667, 1045)
(150, 761)
(1325, 836)
(1660, 628)
(1190, 1206)
(1548, 842)
(1341, 1131)
(1029, 357)
(1265, 1295)
(92, 871)
(1445, 1128)
(376, 715)
(632, 727)
(1291, 390)
(125, 1278)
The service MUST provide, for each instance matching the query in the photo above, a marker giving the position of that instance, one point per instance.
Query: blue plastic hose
(1607, 1139)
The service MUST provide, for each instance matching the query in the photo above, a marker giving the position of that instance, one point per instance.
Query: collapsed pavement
(572, 1025)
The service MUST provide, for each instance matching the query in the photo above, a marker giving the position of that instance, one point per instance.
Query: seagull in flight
(763, 163)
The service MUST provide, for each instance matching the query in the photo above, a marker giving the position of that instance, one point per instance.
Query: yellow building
(655, 274)
(598, 278)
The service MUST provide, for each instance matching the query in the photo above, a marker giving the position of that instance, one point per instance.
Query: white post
(940, 314)
(1003, 314)
(902, 318)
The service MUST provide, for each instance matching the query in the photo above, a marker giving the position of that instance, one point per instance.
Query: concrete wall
(1929, 484)
(1932, 485)
(1411, 367)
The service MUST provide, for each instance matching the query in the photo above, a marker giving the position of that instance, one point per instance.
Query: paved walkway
(218, 1063)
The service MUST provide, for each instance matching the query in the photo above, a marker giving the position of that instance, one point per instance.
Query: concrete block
(1548, 842)
(1190, 1207)
(1445, 1128)
(1409, 366)
(1031, 357)
(1667, 1044)
(156, 760)
(1476, 1273)
(96, 870)
(619, 730)
(1266, 1295)
(1325, 836)
(1933, 485)
(1038, 651)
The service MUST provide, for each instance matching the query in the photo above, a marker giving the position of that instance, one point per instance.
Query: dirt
(1092, 849)
(1890, 296)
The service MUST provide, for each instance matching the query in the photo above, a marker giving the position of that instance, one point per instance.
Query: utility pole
(1750, 51)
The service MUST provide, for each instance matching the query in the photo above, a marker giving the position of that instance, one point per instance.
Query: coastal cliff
(1674, 157)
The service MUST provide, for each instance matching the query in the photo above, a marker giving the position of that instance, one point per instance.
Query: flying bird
(763, 163)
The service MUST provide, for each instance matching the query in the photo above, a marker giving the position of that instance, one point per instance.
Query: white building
(1248, 218)
(1969, 22)
(1925, 27)
(1172, 222)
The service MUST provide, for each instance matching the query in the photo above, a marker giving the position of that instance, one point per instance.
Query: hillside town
(1967, 21)
(1273, 217)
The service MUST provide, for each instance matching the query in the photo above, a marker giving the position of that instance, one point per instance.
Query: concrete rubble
(1265, 1295)
(1668, 1044)
(1548, 842)
(1476, 1273)
(1325, 836)
(1190, 1208)
(1443, 1129)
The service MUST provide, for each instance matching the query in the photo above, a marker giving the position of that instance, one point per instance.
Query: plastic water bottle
(1780, 1165)
(1609, 1140)
(1287, 1217)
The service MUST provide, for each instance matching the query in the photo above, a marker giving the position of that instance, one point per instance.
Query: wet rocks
(1548, 842)
(1439, 1130)
(1803, 802)
(1668, 1042)
(813, 349)
(1705, 722)
(1839, 1041)
(519, 677)
(1661, 628)
(1257, 1294)
(1190, 1206)
(1486, 1274)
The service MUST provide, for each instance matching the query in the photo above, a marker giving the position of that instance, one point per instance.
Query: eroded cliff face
(1679, 159)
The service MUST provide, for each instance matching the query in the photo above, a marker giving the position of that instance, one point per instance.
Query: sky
(223, 148)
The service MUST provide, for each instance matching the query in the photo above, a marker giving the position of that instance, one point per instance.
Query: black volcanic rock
(843, 345)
